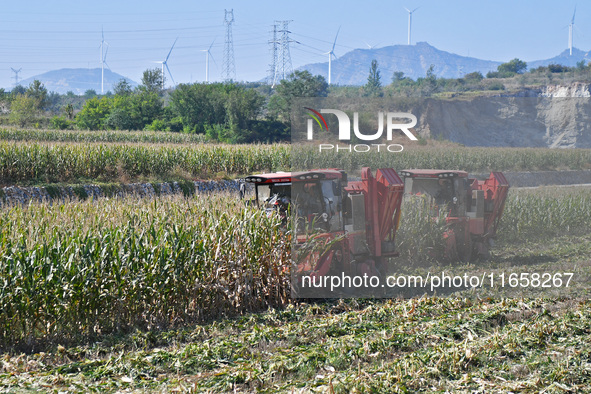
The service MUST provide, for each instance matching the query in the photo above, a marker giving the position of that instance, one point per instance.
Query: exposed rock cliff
(556, 117)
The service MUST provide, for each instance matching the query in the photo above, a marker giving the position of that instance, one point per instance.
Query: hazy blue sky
(42, 35)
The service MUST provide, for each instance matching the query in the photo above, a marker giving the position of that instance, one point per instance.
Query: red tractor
(473, 207)
(356, 221)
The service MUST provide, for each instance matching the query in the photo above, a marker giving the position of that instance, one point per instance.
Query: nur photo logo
(390, 122)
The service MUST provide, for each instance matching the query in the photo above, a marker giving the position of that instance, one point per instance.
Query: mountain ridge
(77, 80)
(414, 61)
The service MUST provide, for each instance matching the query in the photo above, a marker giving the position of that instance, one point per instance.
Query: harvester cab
(473, 208)
(356, 220)
(315, 195)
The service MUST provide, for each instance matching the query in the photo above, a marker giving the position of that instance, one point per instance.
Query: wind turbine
(103, 60)
(165, 63)
(207, 55)
(410, 20)
(331, 55)
(570, 32)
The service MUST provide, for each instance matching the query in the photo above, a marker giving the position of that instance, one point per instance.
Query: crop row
(473, 159)
(35, 162)
(29, 163)
(151, 137)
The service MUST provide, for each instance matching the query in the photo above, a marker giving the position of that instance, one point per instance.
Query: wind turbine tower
(103, 60)
(410, 21)
(570, 32)
(208, 55)
(229, 68)
(331, 55)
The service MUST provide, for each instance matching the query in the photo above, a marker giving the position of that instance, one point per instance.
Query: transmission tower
(283, 64)
(229, 68)
(16, 75)
(272, 79)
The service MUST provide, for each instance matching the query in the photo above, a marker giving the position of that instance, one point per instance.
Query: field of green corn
(448, 157)
(41, 157)
(150, 137)
(78, 270)
(30, 163)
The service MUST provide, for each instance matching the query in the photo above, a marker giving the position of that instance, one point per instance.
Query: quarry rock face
(577, 89)
(553, 117)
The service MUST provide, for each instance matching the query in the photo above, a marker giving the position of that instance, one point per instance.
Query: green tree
(475, 76)
(122, 88)
(428, 84)
(153, 81)
(242, 106)
(18, 89)
(298, 84)
(24, 110)
(69, 110)
(94, 114)
(229, 106)
(145, 108)
(397, 76)
(199, 104)
(38, 92)
(514, 66)
(373, 87)
(509, 69)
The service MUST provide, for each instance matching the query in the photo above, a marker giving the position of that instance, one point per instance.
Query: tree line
(234, 112)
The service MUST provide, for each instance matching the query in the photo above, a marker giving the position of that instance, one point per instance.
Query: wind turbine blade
(106, 64)
(169, 73)
(416, 9)
(211, 45)
(169, 52)
(407, 10)
(335, 40)
(573, 21)
(105, 57)
(209, 53)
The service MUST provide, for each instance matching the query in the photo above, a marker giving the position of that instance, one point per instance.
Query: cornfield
(543, 214)
(80, 269)
(67, 162)
(462, 158)
(148, 137)
(48, 162)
